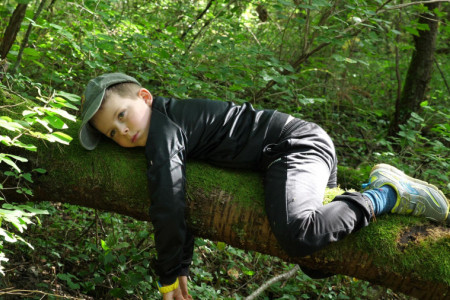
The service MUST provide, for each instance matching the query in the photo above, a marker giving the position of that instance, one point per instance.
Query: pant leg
(294, 187)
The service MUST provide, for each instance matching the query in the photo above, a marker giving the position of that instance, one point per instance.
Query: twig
(254, 36)
(285, 28)
(261, 289)
(207, 24)
(397, 60)
(308, 20)
(323, 288)
(12, 105)
(383, 5)
(411, 4)
(196, 20)
(13, 291)
(442, 74)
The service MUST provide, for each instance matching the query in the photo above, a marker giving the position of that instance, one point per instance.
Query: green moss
(381, 240)
(108, 166)
(428, 257)
(245, 186)
(350, 178)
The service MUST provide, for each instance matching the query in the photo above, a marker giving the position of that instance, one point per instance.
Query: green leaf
(104, 245)
(62, 137)
(16, 223)
(60, 112)
(57, 27)
(63, 102)
(38, 63)
(40, 170)
(412, 30)
(8, 236)
(422, 27)
(63, 276)
(8, 161)
(349, 60)
(221, 246)
(45, 124)
(29, 147)
(19, 158)
(28, 113)
(33, 210)
(55, 122)
(32, 52)
(9, 124)
(27, 177)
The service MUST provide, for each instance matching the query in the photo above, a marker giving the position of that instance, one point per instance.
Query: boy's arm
(188, 250)
(166, 155)
(167, 195)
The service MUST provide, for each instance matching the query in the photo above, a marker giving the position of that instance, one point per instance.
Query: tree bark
(26, 37)
(12, 29)
(407, 254)
(419, 71)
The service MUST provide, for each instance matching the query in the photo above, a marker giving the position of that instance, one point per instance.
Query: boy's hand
(181, 293)
(184, 288)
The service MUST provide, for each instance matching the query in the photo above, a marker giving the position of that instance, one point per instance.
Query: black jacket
(217, 132)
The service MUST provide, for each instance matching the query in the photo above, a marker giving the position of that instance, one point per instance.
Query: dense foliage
(338, 63)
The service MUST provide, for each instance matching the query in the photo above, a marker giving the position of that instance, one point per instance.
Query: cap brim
(88, 135)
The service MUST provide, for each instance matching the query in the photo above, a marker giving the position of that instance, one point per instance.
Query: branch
(308, 20)
(227, 205)
(26, 37)
(196, 19)
(442, 73)
(207, 23)
(410, 4)
(262, 288)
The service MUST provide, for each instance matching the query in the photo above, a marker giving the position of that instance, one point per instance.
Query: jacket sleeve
(166, 156)
(188, 250)
(167, 196)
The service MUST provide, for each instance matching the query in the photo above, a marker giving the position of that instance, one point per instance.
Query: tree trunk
(26, 37)
(419, 71)
(407, 254)
(13, 28)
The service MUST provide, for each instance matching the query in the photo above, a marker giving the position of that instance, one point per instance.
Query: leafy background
(337, 63)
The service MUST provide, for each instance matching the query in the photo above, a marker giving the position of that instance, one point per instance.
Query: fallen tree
(409, 255)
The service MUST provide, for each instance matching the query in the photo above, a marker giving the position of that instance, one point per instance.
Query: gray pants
(303, 163)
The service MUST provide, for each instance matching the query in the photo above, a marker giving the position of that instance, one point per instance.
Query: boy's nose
(124, 129)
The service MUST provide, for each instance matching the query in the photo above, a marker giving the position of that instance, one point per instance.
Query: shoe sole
(418, 181)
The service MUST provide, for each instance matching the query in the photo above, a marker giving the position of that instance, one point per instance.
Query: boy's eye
(121, 115)
(112, 133)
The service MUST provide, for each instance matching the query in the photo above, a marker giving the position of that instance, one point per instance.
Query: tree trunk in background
(13, 28)
(26, 37)
(419, 71)
(407, 254)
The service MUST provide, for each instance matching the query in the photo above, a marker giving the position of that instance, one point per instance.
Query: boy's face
(125, 120)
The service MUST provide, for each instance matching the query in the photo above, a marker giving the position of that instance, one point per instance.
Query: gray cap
(94, 93)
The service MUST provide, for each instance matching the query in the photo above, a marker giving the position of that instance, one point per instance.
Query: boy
(297, 158)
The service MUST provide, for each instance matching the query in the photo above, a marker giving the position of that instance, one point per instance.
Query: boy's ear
(146, 96)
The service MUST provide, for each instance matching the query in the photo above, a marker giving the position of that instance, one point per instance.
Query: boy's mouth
(134, 138)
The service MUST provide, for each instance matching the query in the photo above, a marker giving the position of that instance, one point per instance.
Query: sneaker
(414, 196)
